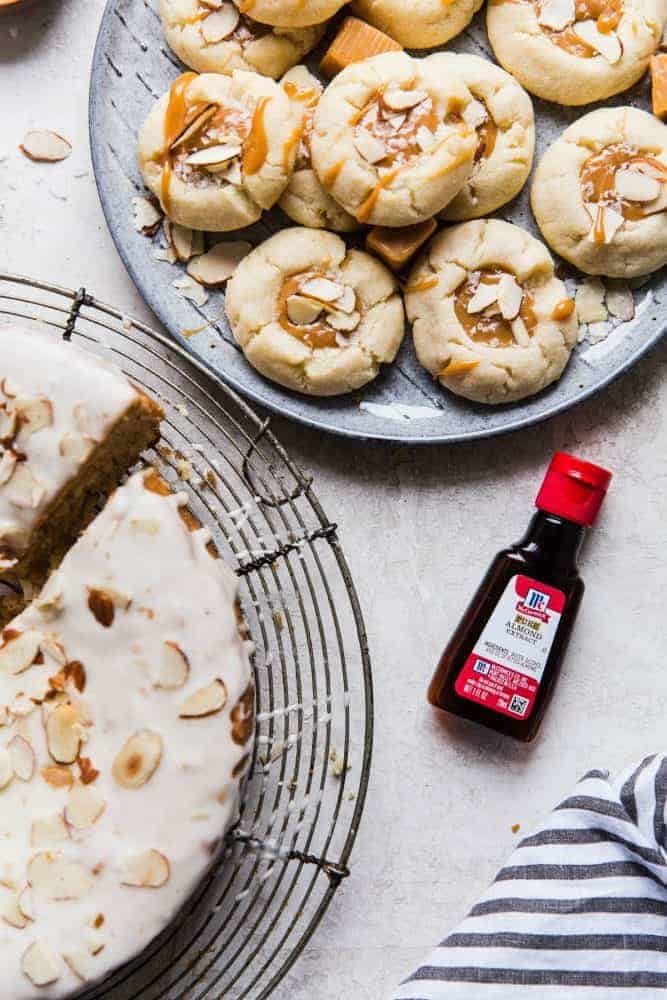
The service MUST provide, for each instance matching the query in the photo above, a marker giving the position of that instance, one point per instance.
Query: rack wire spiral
(252, 916)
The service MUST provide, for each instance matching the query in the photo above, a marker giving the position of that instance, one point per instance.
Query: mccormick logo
(535, 604)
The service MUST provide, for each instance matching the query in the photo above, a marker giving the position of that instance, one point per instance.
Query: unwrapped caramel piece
(659, 85)
(397, 246)
(355, 41)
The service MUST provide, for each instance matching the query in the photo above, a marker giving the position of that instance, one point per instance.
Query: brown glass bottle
(502, 663)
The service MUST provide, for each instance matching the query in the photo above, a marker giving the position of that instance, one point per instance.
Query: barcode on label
(518, 705)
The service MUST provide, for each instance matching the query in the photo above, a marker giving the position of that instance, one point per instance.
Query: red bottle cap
(573, 489)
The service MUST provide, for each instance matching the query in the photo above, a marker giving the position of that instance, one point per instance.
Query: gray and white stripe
(579, 911)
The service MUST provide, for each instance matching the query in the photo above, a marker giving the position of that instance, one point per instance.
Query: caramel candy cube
(659, 85)
(397, 246)
(355, 41)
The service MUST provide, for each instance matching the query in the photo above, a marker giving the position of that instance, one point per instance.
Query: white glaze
(86, 395)
(140, 548)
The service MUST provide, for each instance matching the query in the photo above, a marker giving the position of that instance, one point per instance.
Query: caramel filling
(563, 310)
(489, 327)
(607, 15)
(222, 122)
(488, 134)
(315, 335)
(598, 181)
(400, 140)
(256, 146)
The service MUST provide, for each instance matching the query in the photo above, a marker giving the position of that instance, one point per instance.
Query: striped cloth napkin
(579, 911)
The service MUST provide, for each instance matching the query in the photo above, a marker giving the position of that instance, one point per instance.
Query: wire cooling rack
(250, 919)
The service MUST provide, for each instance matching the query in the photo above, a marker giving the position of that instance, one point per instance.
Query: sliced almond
(25, 903)
(220, 24)
(520, 332)
(510, 296)
(7, 466)
(589, 301)
(229, 171)
(34, 415)
(190, 289)
(57, 777)
(396, 121)
(40, 964)
(22, 757)
(372, 149)
(302, 311)
(425, 138)
(64, 733)
(6, 769)
(475, 113)
(322, 289)
(24, 490)
(634, 185)
(182, 240)
(19, 651)
(76, 447)
(345, 322)
(85, 805)
(8, 424)
(213, 155)
(54, 877)
(206, 701)
(147, 216)
(556, 14)
(195, 126)
(48, 830)
(403, 100)
(138, 759)
(606, 43)
(620, 301)
(347, 302)
(45, 146)
(148, 870)
(174, 668)
(483, 296)
(80, 964)
(215, 267)
(11, 913)
(611, 222)
(21, 705)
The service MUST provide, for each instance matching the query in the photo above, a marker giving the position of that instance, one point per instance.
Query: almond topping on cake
(138, 760)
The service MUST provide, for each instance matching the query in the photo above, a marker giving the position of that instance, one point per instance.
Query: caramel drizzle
(563, 310)
(488, 135)
(365, 210)
(422, 285)
(330, 177)
(495, 331)
(177, 118)
(256, 146)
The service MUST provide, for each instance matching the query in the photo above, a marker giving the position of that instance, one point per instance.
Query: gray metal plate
(132, 66)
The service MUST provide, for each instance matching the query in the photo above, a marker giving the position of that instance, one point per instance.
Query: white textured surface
(419, 528)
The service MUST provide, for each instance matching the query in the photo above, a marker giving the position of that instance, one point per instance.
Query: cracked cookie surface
(305, 201)
(490, 320)
(290, 13)
(212, 36)
(575, 51)
(314, 316)
(390, 142)
(218, 150)
(421, 24)
(502, 114)
(599, 194)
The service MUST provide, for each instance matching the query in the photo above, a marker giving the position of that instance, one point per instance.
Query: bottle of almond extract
(502, 663)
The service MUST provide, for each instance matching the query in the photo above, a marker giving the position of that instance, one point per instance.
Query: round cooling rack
(133, 66)
(252, 916)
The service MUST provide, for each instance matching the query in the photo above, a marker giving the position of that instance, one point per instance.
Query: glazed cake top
(124, 733)
(56, 403)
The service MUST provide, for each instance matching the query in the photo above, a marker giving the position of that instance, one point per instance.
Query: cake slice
(126, 707)
(70, 426)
